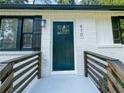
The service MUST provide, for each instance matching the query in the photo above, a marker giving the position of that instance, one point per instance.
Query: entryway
(63, 46)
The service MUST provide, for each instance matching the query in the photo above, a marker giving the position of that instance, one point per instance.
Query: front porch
(63, 84)
(23, 75)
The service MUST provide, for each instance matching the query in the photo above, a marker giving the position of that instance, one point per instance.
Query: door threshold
(63, 72)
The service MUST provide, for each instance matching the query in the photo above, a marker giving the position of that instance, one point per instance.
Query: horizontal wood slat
(96, 62)
(25, 71)
(116, 77)
(24, 65)
(22, 58)
(25, 78)
(27, 83)
(94, 79)
(102, 57)
(111, 89)
(97, 75)
(96, 67)
(99, 86)
(112, 72)
(116, 84)
(27, 67)
(118, 68)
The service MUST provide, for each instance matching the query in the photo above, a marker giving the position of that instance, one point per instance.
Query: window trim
(20, 32)
(119, 28)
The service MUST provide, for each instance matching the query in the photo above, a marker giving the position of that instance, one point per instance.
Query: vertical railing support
(85, 64)
(6, 78)
(39, 66)
(11, 85)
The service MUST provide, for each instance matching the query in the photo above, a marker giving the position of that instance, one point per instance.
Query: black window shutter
(36, 36)
(116, 29)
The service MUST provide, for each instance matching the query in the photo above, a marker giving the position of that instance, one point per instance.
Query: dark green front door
(63, 46)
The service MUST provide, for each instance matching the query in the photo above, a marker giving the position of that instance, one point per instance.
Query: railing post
(85, 64)
(115, 76)
(12, 71)
(39, 66)
(7, 78)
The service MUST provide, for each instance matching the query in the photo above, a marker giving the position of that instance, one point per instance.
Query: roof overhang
(62, 7)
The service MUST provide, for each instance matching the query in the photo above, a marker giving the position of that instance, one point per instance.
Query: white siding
(97, 34)
(6, 55)
(94, 28)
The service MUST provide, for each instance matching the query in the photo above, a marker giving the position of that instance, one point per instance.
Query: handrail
(116, 77)
(96, 68)
(102, 57)
(21, 58)
(19, 72)
(107, 73)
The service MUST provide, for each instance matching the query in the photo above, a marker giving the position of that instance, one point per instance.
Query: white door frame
(75, 65)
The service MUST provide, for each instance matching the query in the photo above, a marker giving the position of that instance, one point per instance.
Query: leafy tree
(43, 1)
(26, 1)
(13, 1)
(102, 2)
(112, 2)
(47, 1)
(89, 2)
(65, 1)
(4, 1)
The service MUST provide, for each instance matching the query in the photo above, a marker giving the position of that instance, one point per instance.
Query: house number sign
(81, 32)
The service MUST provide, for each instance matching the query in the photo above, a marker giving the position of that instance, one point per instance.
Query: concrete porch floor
(63, 84)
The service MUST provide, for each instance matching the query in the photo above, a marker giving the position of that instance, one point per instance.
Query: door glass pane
(28, 25)
(27, 41)
(8, 33)
(122, 29)
(63, 29)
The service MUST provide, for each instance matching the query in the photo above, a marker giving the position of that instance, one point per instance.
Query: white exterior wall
(97, 35)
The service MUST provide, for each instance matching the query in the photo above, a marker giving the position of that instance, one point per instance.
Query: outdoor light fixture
(43, 23)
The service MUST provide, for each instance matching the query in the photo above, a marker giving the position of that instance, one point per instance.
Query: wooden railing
(96, 68)
(16, 74)
(116, 77)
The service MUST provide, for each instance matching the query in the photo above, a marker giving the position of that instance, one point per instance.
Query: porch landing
(64, 84)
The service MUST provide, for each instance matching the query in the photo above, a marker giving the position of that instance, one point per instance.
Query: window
(122, 30)
(63, 29)
(20, 33)
(118, 29)
(27, 33)
(8, 33)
